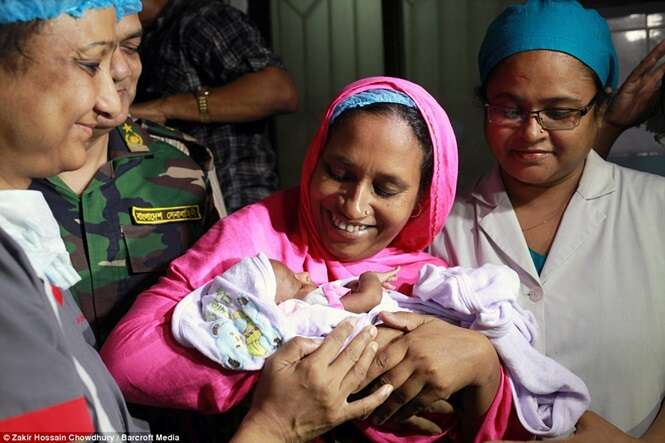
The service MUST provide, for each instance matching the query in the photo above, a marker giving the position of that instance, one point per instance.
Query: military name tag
(156, 216)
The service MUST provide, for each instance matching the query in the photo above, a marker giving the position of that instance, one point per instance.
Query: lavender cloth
(233, 320)
(549, 399)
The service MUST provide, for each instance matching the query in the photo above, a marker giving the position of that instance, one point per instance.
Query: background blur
(326, 44)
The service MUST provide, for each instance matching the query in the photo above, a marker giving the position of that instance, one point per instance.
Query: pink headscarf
(419, 232)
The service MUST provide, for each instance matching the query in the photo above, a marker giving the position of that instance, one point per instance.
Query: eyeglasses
(551, 119)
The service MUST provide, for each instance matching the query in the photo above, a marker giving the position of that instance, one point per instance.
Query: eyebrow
(107, 43)
(133, 35)
(550, 101)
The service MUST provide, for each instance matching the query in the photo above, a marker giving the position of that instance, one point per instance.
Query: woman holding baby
(377, 184)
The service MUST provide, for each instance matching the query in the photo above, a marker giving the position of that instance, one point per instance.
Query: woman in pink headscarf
(377, 184)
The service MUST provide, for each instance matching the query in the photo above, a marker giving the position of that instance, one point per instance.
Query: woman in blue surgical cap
(55, 74)
(55, 58)
(585, 236)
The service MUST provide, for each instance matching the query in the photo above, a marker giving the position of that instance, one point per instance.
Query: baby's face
(291, 284)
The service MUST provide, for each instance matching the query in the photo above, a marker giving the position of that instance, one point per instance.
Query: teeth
(348, 227)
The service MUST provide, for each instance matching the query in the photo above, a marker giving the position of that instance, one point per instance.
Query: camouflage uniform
(143, 208)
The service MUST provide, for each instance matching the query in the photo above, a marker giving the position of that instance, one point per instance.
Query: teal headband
(555, 25)
(370, 97)
(12, 11)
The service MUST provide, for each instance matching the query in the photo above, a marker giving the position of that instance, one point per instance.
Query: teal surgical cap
(555, 25)
(12, 11)
(124, 8)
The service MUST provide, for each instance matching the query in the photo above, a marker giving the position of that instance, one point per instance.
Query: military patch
(133, 139)
(157, 216)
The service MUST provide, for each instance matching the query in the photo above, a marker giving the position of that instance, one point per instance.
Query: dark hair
(602, 97)
(415, 120)
(13, 39)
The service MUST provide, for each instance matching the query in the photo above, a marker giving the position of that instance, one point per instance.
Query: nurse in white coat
(586, 237)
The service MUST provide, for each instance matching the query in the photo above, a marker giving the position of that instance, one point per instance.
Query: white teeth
(348, 227)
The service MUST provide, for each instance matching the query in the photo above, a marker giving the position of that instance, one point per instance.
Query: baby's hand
(387, 278)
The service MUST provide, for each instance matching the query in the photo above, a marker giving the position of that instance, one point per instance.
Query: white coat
(600, 299)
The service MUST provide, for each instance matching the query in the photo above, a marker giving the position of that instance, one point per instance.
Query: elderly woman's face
(365, 185)
(49, 109)
(531, 81)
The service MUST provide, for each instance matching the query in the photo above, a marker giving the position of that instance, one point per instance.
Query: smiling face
(50, 107)
(531, 81)
(366, 184)
(125, 68)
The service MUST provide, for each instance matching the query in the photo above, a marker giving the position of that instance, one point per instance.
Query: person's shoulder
(220, 9)
(212, 12)
(638, 182)
(170, 141)
(15, 263)
(276, 214)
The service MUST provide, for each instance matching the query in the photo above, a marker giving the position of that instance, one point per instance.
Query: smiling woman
(60, 85)
(366, 185)
(585, 236)
(54, 68)
(377, 184)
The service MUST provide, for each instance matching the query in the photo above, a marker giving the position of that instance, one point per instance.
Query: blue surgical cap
(12, 11)
(555, 25)
(124, 8)
(369, 97)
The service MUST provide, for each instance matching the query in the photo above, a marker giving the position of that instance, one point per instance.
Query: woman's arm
(149, 365)
(304, 388)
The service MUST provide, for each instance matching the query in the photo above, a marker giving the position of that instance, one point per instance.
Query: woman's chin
(75, 160)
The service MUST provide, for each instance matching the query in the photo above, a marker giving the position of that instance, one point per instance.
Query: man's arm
(637, 99)
(253, 96)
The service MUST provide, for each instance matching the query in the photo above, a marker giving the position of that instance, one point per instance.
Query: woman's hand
(429, 363)
(304, 387)
(592, 428)
(636, 100)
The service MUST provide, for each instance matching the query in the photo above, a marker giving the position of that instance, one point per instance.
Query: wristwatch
(201, 95)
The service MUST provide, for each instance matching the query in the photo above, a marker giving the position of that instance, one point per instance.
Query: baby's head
(290, 284)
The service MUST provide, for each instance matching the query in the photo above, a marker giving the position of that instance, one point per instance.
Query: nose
(120, 69)
(108, 101)
(532, 130)
(356, 201)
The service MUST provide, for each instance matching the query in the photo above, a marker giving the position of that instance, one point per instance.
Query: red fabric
(70, 416)
(57, 295)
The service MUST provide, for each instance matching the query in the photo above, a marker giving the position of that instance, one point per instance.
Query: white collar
(597, 180)
(27, 219)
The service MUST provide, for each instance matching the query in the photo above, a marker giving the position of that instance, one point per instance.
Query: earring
(418, 211)
(366, 212)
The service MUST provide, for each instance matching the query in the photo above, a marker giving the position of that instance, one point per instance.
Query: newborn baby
(243, 315)
(357, 296)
